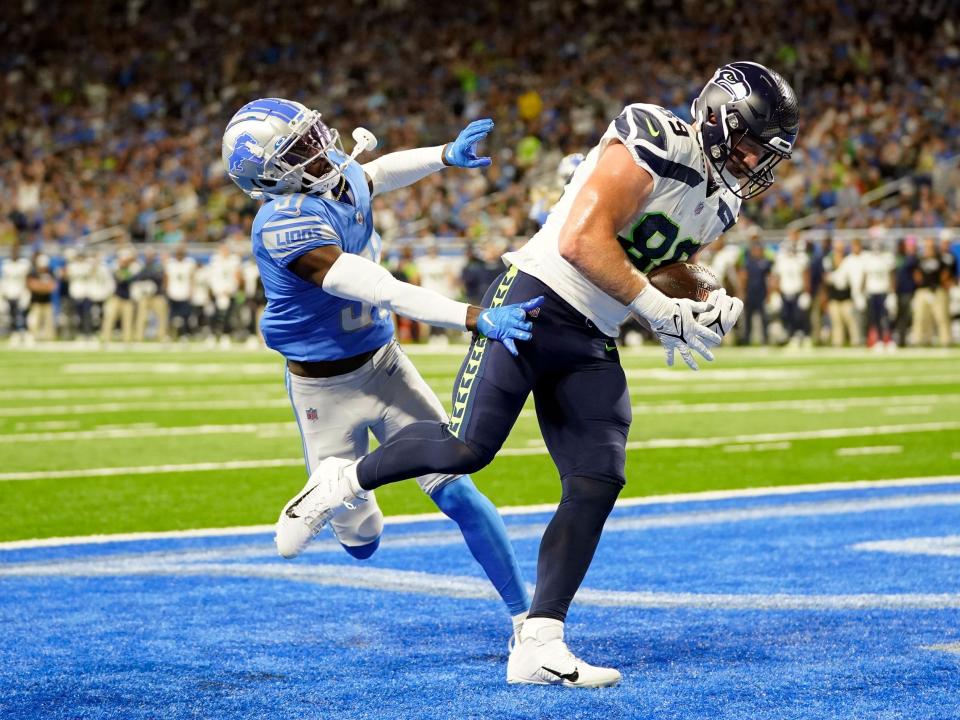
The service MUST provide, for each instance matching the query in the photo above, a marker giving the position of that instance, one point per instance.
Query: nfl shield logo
(699, 208)
(311, 413)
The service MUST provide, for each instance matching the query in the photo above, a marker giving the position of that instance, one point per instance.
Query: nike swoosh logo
(297, 502)
(653, 131)
(571, 677)
(609, 347)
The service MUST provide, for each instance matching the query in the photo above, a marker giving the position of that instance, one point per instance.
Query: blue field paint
(752, 607)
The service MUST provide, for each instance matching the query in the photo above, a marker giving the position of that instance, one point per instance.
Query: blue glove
(508, 323)
(462, 152)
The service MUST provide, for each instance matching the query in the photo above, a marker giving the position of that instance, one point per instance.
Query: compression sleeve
(402, 168)
(355, 278)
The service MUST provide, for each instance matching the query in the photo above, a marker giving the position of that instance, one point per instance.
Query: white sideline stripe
(508, 510)
(945, 647)
(123, 433)
(658, 444)
(458, 586)
(274, 368)
(870, 450)
(946, 546)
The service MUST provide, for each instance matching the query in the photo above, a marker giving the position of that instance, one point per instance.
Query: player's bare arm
(616, 189)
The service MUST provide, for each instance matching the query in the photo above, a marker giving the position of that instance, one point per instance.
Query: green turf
(180, 406)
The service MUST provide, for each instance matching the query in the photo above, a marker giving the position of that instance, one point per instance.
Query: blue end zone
(836, 603)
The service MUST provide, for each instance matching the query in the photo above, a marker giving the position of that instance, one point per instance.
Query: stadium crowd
(113, 114)
(113, 111)
(804, 293)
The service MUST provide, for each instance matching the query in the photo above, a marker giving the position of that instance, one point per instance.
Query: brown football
(684, 280)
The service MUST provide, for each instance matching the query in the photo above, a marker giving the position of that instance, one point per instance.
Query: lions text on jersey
(678, 218)
(302, 321)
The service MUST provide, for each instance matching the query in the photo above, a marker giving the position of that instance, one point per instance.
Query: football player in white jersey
(653, 191)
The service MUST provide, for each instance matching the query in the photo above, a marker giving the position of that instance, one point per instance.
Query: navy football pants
(583, 408)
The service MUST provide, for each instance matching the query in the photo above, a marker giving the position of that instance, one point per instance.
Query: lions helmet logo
(733, 81)
(245, 150)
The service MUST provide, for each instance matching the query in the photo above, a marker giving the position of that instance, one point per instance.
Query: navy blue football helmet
(746, 111)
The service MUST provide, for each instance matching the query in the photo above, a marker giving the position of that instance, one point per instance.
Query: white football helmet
(275, 147)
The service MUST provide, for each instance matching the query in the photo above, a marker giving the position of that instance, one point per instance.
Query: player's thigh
(333, 417)
(584, 416)
(406, 398)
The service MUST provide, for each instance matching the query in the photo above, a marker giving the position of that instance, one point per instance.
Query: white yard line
(133, 392)
(144, 407)
(822, 434)
(280, 429)
(508, 510)
(152, 469)
(761, 447)
(139, 431)
(870, 450)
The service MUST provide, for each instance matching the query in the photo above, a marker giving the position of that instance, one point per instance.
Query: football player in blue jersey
(653, 191)
(328, 313)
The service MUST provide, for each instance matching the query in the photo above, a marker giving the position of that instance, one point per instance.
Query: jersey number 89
(653, 241)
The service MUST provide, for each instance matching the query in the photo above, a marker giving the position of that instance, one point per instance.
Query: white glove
(723, 315)
(674, 325)
(803, 302)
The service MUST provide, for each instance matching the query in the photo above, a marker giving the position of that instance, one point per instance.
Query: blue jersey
(301, 320)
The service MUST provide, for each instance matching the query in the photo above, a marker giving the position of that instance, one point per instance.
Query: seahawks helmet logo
(734, 82)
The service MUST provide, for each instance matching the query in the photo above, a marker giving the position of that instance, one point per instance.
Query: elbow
(571, 249)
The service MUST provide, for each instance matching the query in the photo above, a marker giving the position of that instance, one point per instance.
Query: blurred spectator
(437, 273)
(754, 275)
(13, 282)
(878, 279)
(930, 301)
(818, 295)
(178, 274)
(201, 305)
(223, 276)
(791, 275)
(843, 320)
(78, 272)
(120, 305)
(407, 271)
(479, 272)
(150, 296)
(905, 286)
(42, 284)
(254, 300)
(101, 289)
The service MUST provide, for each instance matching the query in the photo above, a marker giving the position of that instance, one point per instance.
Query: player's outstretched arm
(355, 278)
(615, 190)
(405, 167)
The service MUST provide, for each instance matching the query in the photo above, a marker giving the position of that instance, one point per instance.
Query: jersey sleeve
(644, 131)
(296, 226)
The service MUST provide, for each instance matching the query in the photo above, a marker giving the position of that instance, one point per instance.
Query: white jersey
(675, 222)
(79, 272)
(790, 268)
(179, 276)
(877, 268)
(13, 278)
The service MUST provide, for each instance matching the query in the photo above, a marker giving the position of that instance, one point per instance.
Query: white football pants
(335, 416)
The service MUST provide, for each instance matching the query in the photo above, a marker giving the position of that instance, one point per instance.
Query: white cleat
(326, 494)
(546, 660)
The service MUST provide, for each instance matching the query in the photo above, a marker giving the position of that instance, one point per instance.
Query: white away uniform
(677, 219)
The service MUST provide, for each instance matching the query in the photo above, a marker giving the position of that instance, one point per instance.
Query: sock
(486, 537)
(350, 473)
(541, 629)
(518, 622)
